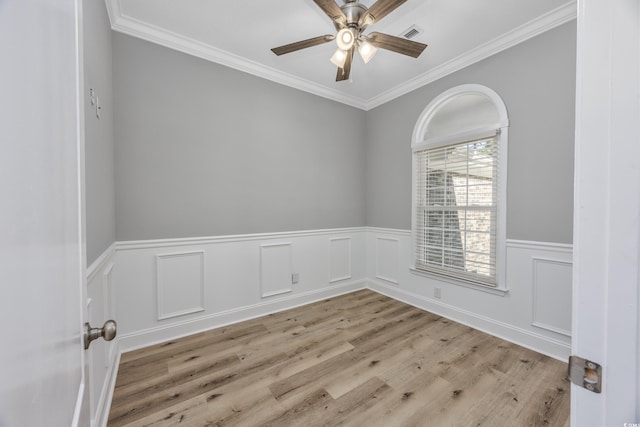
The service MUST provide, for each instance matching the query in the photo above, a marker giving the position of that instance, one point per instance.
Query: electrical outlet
(437, 292)
(295, 277)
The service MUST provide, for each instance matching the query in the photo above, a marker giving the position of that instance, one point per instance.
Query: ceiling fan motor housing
(350, 20)
(353, 10)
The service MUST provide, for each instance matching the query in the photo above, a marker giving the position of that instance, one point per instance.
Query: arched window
(459, 186)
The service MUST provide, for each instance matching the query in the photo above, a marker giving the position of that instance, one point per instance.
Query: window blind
(456, 210)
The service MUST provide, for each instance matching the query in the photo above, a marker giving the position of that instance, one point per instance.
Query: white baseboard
(106, 396)
(539, 343)
(151, 336)
(536, 342)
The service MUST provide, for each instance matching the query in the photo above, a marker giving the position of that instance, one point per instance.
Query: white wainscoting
(387, 259)
(235, 278)
(276, 269)
(339, 259)
(551, 282)
(242, 277)
(103, 356)
(180, 283)
(548, 267)
(535, 312)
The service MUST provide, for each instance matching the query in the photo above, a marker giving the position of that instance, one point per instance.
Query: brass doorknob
(108, 332)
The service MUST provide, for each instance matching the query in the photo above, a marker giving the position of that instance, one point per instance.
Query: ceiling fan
(350, 20)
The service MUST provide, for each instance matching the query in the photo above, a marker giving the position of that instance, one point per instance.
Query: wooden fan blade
(379, 10)
(343, 73)
(396, 44)
(292, 47)
(332, 10)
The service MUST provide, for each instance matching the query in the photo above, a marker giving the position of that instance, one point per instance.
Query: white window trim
(418, 142)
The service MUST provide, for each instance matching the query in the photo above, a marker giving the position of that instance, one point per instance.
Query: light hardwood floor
(360, 359)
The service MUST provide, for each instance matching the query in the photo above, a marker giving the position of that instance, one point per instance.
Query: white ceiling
(240, 34)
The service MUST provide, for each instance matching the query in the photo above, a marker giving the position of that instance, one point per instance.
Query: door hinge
(585, 373)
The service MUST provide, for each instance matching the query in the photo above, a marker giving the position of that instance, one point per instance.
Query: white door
(607, 211)
(41, 250)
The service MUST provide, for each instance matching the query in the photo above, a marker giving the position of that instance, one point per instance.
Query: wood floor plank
(376, 363)
(288, 368)
(397, 407)
(457, 400)
(158, 384)
(360, 359)
(305, 413)
(216, 410)
(172, 393)
(357, 401)
(162, 352)
(365, 344)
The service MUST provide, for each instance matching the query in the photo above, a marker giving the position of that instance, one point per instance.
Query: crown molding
(543, 23)
(145, 31)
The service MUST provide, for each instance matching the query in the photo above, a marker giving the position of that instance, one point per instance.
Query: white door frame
(607, 210)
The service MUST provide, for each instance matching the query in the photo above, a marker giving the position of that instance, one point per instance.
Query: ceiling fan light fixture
(345, 39)
(339, 58)
(367, 51)
(350, 20)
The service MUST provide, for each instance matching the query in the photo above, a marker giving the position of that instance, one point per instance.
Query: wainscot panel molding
(108, 385)
(180, 283)
(189, 241)
(103, 356)
(532, 312)
(387, 259)
(243, 277)
(339, 259)
(552, 281)
(563, 248)
(99, 264)
(276, 269)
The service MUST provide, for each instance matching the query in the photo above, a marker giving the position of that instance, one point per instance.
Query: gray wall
(203, 150)
(99, 142)
(536, 80)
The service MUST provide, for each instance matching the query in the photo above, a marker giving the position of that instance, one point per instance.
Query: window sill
(476, 287)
